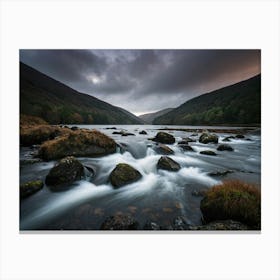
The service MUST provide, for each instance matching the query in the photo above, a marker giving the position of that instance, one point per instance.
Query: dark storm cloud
(145, 80)
(66, 65)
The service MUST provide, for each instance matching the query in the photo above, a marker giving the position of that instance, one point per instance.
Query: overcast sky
(143, 81)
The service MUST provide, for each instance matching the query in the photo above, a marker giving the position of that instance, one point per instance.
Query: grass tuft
(233, 200)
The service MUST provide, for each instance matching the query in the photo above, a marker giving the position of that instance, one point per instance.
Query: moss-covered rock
(168, 163)
(206, 138)
(78, 143)
(233, 200)
(30, 188)
(225, 147)
(120, 222)
(124, 174)
(66, 171)
(164, 138)
(208, 153)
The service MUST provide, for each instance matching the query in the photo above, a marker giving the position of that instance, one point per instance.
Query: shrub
(233, 200)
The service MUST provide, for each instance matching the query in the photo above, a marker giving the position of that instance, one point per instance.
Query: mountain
(54, 102)
(137, 119)
(238, 104)
(149, 118)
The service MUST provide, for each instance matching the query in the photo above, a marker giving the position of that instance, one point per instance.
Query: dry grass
(36, 134)
(26, 120)
(234, 200)
(77, 143)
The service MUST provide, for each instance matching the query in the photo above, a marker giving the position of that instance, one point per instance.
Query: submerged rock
(128, 134)
(78, 143)
(149, 225)
(225, 147)
(120, 222)
(123, 133)
(208, 153)
(167, 163)
(223, 225)
(29, 161)
(164, 138)
(66, 171)
(239, 136)
(206, 138)
(163, 149)
(30, 188)
(220, 173)
(228, 139)
(118, 132)
(186, 140)
(180, 223)
(124, 174)
(199, 193)
(183, 142)
(143, 132)
(186, 148)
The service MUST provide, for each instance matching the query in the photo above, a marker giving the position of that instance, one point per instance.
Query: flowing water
(159, 196)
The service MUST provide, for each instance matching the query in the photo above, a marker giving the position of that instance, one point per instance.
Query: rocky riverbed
(132, 177)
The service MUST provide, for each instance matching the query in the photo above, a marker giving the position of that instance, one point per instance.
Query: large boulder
(206, 138)
(78, 143)
(124, 174)
(225, 147)
(167, 163)
(30, 188)
(66, 171)
(120, 222)
(163, 149)
(233, 200)
(164, 138)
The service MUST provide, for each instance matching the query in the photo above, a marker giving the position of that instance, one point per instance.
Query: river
(159, 196)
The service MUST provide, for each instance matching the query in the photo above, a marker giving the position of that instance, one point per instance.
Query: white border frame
(135, 24)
